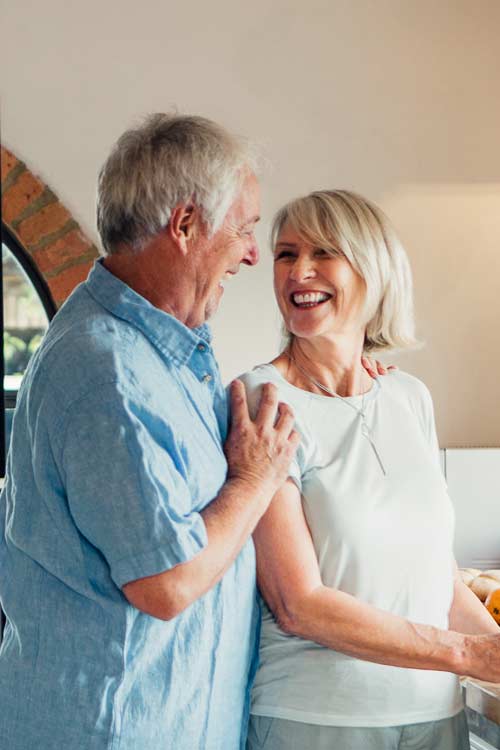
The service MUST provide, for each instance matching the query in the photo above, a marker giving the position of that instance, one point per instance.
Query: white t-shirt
(387, 540)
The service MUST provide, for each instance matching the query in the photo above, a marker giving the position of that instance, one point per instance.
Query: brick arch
(44, 228)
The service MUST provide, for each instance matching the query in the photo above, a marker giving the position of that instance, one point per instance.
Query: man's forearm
(229, 520)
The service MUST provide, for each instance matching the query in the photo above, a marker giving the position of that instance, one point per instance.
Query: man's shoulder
(85, 348)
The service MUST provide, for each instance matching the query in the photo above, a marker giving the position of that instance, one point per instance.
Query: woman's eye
(283, 254)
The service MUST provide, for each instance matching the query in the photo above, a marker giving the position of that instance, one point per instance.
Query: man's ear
(183, 225)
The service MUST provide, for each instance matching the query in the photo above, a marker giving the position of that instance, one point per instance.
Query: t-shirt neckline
(368, 396)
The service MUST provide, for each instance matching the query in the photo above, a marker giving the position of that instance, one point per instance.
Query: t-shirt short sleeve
(125, 487)
(427, 418)
(294, 474)
(253, 381)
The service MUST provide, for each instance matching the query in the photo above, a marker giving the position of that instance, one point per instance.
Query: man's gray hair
(166, 161)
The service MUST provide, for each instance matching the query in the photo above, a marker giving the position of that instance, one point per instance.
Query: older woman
(365, 621)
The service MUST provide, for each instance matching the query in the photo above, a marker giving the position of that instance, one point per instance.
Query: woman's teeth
(309, 299)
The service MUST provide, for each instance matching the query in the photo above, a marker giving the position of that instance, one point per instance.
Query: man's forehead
(247, 203)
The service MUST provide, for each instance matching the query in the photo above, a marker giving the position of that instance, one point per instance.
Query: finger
(286, 418)
(294, 440)
(239, 405)
(392, 367)
(266, 414)
(369, 366)
(380, 368)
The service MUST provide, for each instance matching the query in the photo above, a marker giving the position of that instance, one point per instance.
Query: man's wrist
(252, 488)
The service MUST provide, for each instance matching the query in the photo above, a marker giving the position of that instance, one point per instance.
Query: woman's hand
(374, 368)
(482, 657)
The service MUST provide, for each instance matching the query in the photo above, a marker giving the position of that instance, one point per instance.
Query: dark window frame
(41, 287)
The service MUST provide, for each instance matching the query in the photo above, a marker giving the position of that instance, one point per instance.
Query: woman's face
(317, 293)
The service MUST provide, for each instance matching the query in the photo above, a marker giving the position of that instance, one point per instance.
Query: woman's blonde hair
(340, 221)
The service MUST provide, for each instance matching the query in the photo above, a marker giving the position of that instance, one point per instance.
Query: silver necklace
(365, 430)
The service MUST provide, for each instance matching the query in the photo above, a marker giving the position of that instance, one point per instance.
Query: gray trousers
(266, 733)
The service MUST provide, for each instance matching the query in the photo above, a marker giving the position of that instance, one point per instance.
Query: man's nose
(252, 255)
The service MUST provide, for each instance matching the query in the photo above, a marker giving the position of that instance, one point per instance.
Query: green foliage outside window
(18, 347)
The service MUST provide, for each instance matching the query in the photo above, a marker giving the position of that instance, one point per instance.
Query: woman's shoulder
(259, 375)
(269, 373)
(405, 386)
(253, 381)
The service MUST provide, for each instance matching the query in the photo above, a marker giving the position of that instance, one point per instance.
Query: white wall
(397, 99)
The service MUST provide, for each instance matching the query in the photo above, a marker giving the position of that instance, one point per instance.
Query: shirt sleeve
(125, 488)
(295, 472)
(429, 422)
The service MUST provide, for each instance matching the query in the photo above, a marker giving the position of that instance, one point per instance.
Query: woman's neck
(336, 364)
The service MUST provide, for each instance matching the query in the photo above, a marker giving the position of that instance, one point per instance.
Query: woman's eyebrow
(286, 244)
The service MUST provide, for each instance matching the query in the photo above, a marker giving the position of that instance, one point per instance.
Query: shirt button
(201, 347)
(207, 378)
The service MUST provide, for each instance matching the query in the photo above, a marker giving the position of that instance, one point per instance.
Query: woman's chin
(305, 329)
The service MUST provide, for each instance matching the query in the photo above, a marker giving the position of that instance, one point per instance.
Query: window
(27, 310)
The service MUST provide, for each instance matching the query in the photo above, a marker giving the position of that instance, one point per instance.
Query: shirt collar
(175, 340)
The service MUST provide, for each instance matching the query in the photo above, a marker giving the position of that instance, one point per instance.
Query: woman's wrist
(460, 654)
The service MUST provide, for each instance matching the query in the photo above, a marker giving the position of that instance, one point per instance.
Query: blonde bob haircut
(342, 222)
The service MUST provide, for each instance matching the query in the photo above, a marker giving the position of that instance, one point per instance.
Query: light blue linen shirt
(116, 448)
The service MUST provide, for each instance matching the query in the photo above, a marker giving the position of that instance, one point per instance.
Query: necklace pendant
(367, 433)
(377, 456)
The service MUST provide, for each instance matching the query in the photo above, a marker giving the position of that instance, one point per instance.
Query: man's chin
(213, 303)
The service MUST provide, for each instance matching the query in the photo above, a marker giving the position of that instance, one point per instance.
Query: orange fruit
(492, 604)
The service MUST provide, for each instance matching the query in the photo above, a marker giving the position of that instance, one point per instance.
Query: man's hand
(259, 451)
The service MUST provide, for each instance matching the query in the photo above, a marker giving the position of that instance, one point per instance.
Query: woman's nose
(303, 268)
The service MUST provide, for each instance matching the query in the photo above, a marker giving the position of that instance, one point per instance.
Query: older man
(127, 574)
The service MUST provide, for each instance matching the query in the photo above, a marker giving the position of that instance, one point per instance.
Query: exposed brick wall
(44, 227)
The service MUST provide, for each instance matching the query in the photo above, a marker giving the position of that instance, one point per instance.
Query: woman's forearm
(339, 621)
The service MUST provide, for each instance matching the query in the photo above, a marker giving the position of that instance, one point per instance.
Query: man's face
(216, 259)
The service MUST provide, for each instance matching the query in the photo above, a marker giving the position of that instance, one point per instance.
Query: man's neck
(139, 270)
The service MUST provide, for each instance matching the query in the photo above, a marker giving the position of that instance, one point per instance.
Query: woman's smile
(307, 299)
